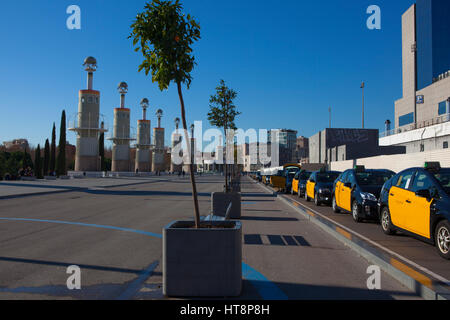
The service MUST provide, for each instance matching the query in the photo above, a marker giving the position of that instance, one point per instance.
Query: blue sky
(289, 61)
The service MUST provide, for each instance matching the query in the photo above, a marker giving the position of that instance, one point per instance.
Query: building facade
(425, 65)
(347, 144)
(422, 114)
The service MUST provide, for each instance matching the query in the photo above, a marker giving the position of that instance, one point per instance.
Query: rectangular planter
(202, 262)
(221, 200)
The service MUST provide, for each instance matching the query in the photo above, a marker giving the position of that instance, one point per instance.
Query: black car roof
(372, 170)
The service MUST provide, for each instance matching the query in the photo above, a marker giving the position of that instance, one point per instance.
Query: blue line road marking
(88, 225)
(266, 289)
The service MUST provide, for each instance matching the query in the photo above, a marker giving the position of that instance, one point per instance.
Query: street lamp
(362, 87)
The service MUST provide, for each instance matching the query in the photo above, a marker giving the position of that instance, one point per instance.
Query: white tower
(143, 145)
(121, 134)
(176, 145)
(158, 150)
(86, 124)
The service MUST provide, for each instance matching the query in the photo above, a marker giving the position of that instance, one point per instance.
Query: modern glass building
(432, 36)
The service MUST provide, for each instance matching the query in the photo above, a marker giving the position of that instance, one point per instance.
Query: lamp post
(362, 87)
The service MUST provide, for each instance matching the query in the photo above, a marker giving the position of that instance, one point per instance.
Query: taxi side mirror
(348, 185)
(425, 193)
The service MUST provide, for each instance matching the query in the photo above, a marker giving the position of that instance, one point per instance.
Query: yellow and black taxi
(320, 185)
(299, 183)
(357, 191)
(416, 201)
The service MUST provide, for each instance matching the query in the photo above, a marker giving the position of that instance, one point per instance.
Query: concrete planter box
(220, 202)
(202, 262)
(49, 177)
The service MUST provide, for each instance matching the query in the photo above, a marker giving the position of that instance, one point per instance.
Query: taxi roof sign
(432, 165)
(360, 168)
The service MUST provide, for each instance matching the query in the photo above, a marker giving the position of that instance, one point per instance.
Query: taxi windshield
(443, 176)
(327, 176)
(373, 178)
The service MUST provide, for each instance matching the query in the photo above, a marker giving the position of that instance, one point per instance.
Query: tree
(53, 150)
(101, 151)
(37, 163)
(46, 157)
(61, 159)
(223, 113)
(164, 36)
(26, 160)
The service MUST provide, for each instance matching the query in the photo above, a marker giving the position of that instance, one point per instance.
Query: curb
(411, 277)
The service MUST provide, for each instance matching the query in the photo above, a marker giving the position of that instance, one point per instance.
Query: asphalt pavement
(112, 231)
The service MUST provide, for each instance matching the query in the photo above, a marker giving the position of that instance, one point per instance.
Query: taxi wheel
(299, 193)
(355, 212)
(442, 239)
(386, 224)
(334, 205)
(316, 200)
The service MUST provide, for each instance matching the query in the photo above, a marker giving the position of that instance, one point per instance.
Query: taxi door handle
(392, 194)
(408, 201)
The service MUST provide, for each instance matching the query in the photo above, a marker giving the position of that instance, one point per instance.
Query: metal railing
(419, 125)
(73, 123)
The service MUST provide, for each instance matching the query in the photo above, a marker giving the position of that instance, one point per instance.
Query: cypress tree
(37, 162)
(46, 157)
(61, 160)
(101, 151)
(53, 150)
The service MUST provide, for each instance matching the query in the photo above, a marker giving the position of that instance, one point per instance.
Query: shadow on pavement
(267, 218)
(296, 291)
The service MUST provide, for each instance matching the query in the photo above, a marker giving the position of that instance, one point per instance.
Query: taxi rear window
(443, 176)
(327, 177)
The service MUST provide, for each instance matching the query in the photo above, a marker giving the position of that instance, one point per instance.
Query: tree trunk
(194, 187)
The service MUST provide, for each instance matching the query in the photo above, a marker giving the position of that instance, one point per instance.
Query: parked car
(319, 186)
(299, 183)
(357, 191)
(416, 201)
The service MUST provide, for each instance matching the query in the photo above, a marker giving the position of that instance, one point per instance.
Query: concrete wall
(397, 162)
(406, 104)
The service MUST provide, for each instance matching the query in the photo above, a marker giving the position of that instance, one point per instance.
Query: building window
(442, 108)
(445, 145)
(422, 147)
(406, 119)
